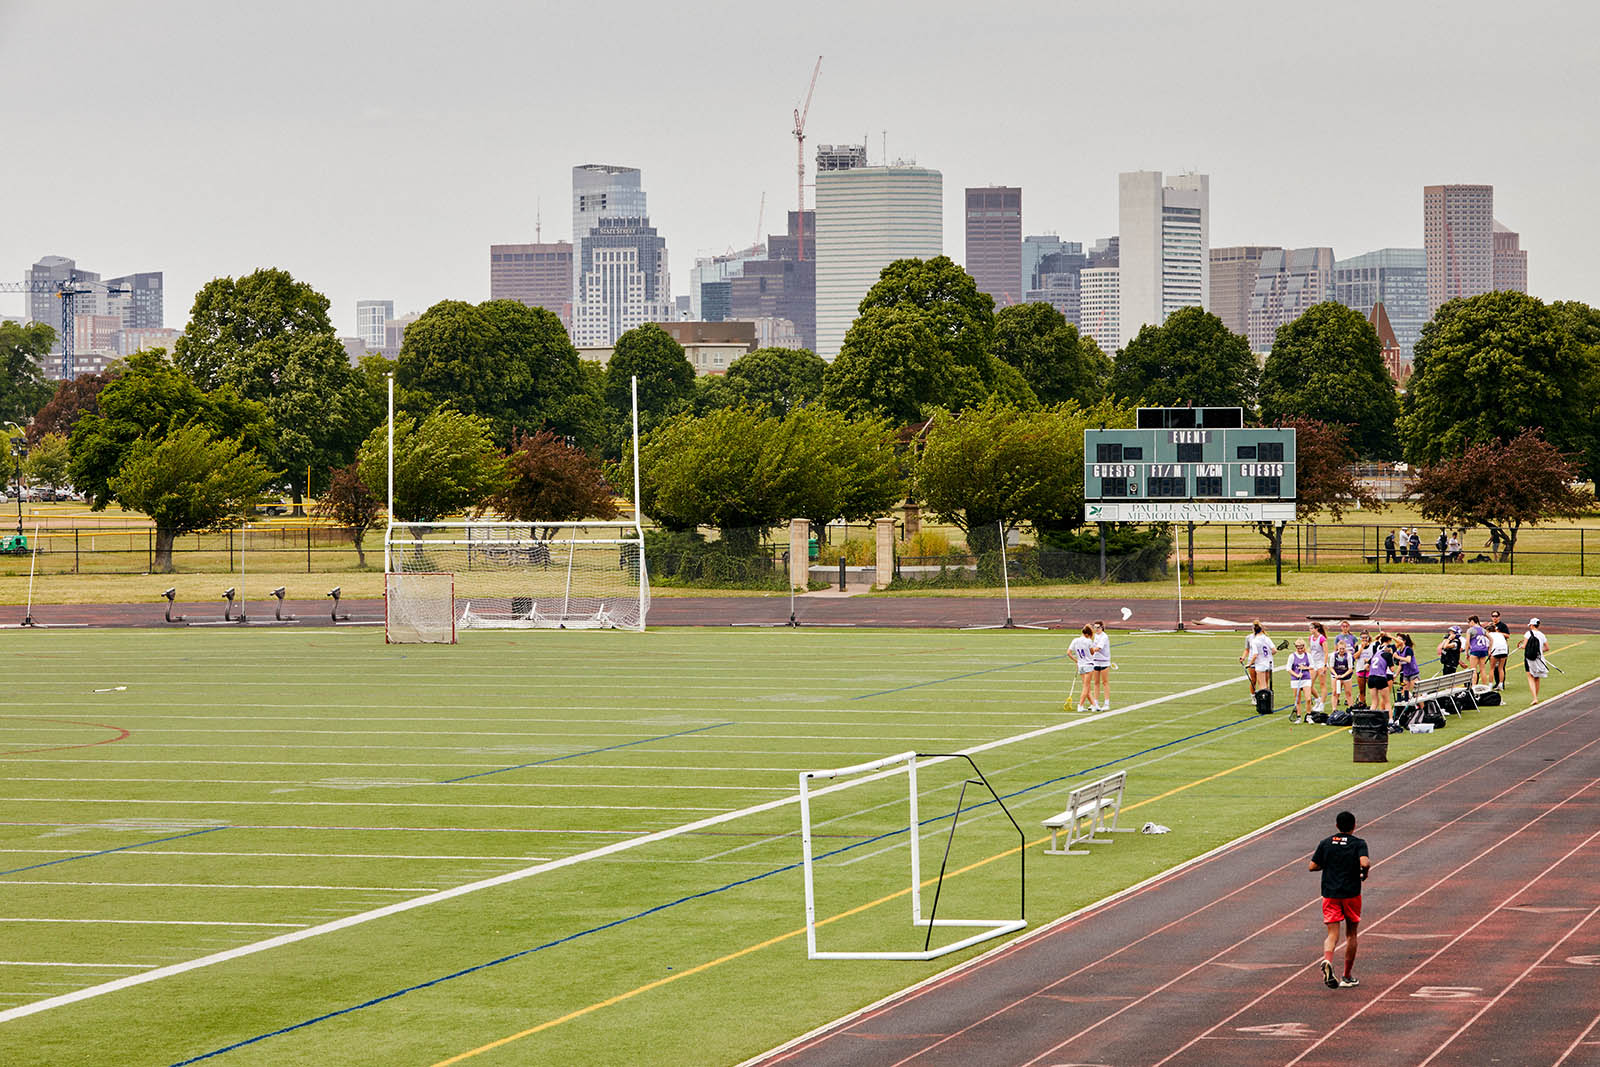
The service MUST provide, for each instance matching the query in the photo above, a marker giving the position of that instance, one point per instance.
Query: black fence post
(1511, 556)
(1297, 546)
(1224, 549)
(841, 574)
(1580, 552)
(308, 550)
(75, 549)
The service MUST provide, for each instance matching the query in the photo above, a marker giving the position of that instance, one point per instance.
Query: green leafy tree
(1057, 363)
(513, 365)
(892, 366)
(71, 401)
(1503, 486)
(958, 314)
(1192, 358)
(838, 468)
(994, 465)
(230, 316)
(444, 464)
(49, 461)
(1488, 367)
(666, 380)
(551, 481)
(1327, 365)
(23, 388)
(149, 400)
(1325, 480)
(350, 503)
(187, 481)
(781, 378)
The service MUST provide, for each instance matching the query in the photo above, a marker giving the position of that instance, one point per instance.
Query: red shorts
(1341, 909)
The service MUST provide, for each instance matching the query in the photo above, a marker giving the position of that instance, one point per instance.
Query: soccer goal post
(419, 608)
(905, 764)
(505, 575)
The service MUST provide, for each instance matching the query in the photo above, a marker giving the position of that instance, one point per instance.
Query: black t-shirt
(1339, 857)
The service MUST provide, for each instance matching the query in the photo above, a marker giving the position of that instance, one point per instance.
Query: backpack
(1433, 717)
(1533, 649)
(1340, 718)
(1263, 702)
(1485, 697)
(1319, 717)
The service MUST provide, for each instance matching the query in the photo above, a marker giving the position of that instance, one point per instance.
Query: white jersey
(1260, 646)
(1082, 650)
(1317, 649)
(1497, 643)
(1102, 649)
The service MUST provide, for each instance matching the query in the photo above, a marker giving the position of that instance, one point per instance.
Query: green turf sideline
(360, 918)
(1137, 887)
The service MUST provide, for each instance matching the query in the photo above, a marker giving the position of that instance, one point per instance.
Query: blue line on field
(119, 848)
(586, 752)
(672, 904)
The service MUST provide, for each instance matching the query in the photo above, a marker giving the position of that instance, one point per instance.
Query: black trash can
(1369, 732)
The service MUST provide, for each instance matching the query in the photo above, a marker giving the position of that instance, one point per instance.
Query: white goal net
(526, 575)
(419, 608)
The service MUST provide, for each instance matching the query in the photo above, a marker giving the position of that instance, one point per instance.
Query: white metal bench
(1432, 689)
(1086, 816)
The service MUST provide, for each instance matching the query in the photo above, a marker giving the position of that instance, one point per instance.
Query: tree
(1325, 479)
(148, 401)
(513, 365)
(1189, 359)
(350, 503)
(1504, 486)
(550, 481)
(958, 314)
(444, 464)
(994, 465)
(1488, 368)
(230, 317)
(23, 388)
(1055, 361)
(891, 365)
(49, 459)
(780, 378)
(666, 379)
(188, 481)
(838, 468)
(1327, 365)
(70, 402)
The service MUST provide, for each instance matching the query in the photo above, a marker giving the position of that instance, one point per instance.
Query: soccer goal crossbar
(876, 770)
(520, 575)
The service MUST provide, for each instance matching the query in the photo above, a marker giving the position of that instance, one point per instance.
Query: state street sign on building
(1189, 465)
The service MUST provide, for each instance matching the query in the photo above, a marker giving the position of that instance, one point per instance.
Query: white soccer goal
(573, 576)
(419, 607)
(889, 767)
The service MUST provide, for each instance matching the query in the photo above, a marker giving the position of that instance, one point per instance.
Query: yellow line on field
(659, 982)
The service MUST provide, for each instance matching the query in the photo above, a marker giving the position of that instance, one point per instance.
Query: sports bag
(1340, 718)
(1485, 697)
(1263, 702)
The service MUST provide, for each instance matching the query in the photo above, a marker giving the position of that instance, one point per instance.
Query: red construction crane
(800, 114)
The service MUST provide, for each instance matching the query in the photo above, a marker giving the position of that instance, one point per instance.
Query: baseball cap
(1455, 629)
(1533, 621)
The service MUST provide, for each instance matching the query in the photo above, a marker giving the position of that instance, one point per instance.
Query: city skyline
(413, 227)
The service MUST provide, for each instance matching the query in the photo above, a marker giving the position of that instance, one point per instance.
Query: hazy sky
(376, 150)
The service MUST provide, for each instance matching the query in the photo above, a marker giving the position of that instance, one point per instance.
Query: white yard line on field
(157, 922)
(348, 921)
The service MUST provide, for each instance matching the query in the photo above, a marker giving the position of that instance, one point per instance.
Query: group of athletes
(1352, 667)
(1091, 651)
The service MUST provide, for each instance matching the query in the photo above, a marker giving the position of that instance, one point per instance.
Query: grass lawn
(171, 795)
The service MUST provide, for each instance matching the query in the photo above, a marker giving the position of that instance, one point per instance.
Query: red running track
(1480, 945)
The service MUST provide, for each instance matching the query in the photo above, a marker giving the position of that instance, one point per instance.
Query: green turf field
(173, 795)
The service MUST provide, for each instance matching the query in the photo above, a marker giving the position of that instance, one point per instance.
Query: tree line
(935, 396)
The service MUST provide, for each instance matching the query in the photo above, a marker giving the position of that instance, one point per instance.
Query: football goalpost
(887, 768)
(442, 577)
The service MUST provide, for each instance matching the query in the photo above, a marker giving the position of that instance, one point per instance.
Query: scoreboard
(1189, 465)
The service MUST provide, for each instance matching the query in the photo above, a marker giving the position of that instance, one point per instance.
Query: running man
(1102, 665)
(1343, 861)
(1082, 652)
(1534, 645)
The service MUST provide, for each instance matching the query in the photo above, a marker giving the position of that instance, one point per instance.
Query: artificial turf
(289, 778)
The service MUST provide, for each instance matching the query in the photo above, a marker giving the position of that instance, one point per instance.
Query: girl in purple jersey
(1379, 673)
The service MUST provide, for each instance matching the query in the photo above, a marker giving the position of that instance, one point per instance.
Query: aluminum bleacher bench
(1454, 684)
(1086, 815)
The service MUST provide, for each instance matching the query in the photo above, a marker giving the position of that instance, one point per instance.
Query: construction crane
(67, 292)
(800, 114)
(761, 217)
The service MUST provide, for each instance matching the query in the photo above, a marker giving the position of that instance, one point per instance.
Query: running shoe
(1316, 705)
(1349, 981)
(1328, 978)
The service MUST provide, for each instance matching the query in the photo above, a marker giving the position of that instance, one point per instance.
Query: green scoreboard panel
(1205, 471)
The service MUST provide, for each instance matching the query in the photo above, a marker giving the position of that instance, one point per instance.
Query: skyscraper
(536, 275)
(372, 317)
(141, 307)
(1233, 279)
(1099, 306)
(1510, 260)
(1458, 236)
(1397, 278)
(781, 289)
(43, 306)
(868, 217)
(994, 242)
(619, 262)
(1288, 281)
(1165, 232)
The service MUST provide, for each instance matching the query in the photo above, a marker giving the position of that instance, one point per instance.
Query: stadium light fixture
(334, 592)
(278, 613)
(171, 593)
